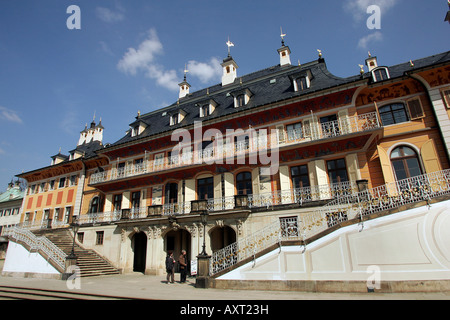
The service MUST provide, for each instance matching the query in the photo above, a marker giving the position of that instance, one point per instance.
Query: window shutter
(430, 157)
(387, 171)
(415, 109)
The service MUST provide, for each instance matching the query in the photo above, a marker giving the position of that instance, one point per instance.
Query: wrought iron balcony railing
(311, 132)
(343, 208)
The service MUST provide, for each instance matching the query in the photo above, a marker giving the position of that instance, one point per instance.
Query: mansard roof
(268, 86)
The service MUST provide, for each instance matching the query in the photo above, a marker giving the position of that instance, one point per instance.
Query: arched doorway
(177, 240)
(139, 245)
(222, 237)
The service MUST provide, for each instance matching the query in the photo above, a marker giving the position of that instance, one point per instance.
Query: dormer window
(135, 131)
(240, 100)
(204, 110)
(207, 107)
(137, 128)
(241, 97)
(174, 119)
(302, 83)
(301, 80)
(380, 74)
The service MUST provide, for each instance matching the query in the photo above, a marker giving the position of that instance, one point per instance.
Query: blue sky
(130, 55)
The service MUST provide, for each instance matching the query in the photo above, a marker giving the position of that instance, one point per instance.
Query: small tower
(284, 51)
(184, 86)
(93, 133)
(371, 62)
(229, 67)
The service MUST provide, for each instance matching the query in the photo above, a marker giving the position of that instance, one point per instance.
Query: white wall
(20, 261)
(411, 245)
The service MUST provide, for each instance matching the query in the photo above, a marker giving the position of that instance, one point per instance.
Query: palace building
(222, 164)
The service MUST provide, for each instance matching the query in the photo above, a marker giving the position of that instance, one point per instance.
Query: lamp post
(203, 259)
(71, 259)
(204, 219)
(75, 227)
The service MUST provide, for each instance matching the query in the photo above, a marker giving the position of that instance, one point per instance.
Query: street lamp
(75, 227)
(204, 219)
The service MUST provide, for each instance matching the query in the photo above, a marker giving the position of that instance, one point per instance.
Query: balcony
(308, 133)
(298, 196)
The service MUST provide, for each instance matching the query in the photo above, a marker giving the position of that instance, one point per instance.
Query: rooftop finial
(282, 35)
(229, 45)
(185, 71)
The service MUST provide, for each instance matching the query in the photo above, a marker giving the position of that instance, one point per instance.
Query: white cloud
(358, 8)
(205, 71)
(143, 59)
(9, 115)
(107, 15)
(133, 60)
(364, 41)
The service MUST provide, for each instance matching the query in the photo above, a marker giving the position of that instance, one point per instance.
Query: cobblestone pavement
(139, 286)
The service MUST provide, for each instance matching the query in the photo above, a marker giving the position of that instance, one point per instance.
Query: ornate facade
(254, 149)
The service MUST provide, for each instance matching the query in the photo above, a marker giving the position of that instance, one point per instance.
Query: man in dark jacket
(170, 264)
(183, 266)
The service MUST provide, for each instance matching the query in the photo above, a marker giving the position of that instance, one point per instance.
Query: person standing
(170, 264)
(183, 266)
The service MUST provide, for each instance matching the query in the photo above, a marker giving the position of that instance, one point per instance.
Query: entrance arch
(222, 237)
(176, 240)
(139, 245)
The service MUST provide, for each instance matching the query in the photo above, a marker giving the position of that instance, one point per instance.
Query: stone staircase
(90, 263)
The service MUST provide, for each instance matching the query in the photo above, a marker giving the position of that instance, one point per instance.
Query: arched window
(240, 100)
(393, 113)
(405, 163)
(95, 205)
(244, 183)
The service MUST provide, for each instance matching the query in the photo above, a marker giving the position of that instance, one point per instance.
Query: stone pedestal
(71, 261)
(202, 280)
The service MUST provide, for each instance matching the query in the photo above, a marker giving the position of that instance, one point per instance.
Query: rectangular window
(205, 188)
(136, 199)
(446, 97)
(67, 214)
(415, 109)
(73, 180)
(57, 217)
(80, 237)
(62, 182)
(117, 202)
(300, 176)
(337, 170)
(52, 185)
(99, 237)
(294, 131)
(158, 160)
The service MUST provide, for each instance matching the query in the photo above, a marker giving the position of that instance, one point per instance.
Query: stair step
(89, 262)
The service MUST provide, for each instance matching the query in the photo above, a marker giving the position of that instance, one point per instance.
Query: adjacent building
(56, 193)
(10, 203)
